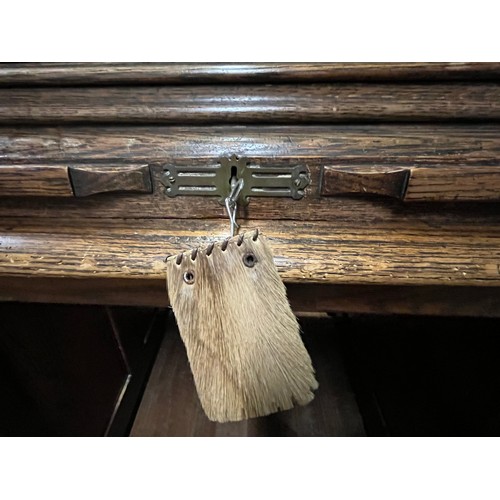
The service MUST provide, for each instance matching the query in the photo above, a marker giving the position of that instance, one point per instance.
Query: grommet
(189, 277)
(249, 259)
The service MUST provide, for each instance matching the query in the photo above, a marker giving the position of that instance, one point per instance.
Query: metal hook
(232, 203)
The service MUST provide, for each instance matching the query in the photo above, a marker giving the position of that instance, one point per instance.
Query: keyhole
(234, 172)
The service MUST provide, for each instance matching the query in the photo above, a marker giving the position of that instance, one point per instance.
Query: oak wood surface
(393, 253)
(454, 183)
(384, 146)
(58, 74)
(321, 241)
(384, 143)
(251, 104)
(35, 180)
(436, 183)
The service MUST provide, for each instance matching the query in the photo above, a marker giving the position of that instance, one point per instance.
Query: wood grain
(315, 146)
(88, 180)
(58, 74)
(460, 183)
(105, 243)
(250, 104)
(402, 253)
(385, 144)
(434, 183)
(384, 181)
(35, 180)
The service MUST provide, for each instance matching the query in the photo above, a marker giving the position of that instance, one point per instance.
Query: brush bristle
(242, 339)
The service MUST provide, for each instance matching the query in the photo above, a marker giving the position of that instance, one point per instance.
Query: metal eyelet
(249, 259)
(189, 277)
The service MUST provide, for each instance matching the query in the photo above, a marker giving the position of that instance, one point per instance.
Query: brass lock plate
(216, 180)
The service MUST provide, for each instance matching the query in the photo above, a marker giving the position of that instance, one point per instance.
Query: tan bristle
(242, 339)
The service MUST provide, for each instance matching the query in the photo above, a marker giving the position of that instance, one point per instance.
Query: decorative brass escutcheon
(258, 180)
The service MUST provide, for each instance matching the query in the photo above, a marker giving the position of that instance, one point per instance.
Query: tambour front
(377, 185)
